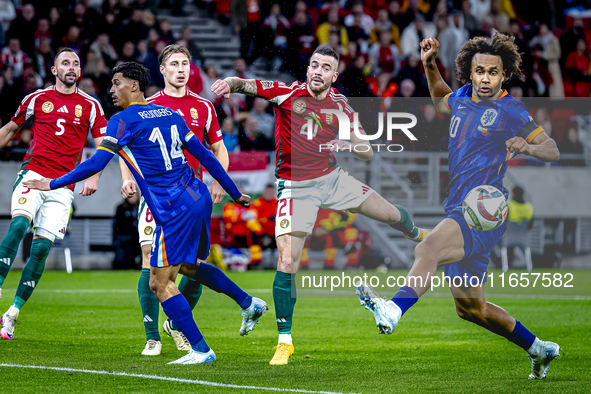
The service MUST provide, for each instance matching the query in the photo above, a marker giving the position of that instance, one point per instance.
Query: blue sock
(522, 337)
(178, 310)
(214, 278)
(405, 297)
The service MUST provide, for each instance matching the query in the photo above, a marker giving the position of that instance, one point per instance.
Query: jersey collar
(139, 103)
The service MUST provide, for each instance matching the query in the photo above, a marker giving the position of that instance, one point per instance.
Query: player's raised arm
(437, 86)
(7, 133)
(234, 85)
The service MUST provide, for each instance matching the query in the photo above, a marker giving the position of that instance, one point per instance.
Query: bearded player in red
(200, 116)
(62, 117)
(308, 178)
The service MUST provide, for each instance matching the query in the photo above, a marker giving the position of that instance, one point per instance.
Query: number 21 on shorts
(284, 212)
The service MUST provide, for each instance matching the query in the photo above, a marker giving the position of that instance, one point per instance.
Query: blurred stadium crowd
(378, 41)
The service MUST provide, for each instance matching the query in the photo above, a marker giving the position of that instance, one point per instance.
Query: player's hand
(217, 192)
(38, 184)
(339, 145)
(221, 88)
(128, 189)
(429, 49)
(518, 145)
(89, 187)
(244, 200)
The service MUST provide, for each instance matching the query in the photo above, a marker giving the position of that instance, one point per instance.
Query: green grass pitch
(92, 320)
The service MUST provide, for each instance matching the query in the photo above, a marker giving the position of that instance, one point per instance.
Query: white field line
(350, 293)
(166, 378)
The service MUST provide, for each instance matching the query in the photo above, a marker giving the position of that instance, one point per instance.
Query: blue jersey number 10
(453, 128)
(176, 150)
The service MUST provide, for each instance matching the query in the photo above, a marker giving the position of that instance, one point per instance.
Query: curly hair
(134, 71)
(501, 45)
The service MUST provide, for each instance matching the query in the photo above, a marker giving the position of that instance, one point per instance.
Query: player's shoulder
(335, 95)
(464, 91)
(510, 104)
(195, 98)
(155, 97)
(37, 93)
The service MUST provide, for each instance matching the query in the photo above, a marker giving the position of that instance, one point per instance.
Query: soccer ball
(485, 208)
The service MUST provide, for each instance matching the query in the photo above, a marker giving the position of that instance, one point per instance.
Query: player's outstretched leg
(150, 310)
(473, 307)
(377, 208)
(191, 290)
(9, 246)
(30, 277)
(252, 308)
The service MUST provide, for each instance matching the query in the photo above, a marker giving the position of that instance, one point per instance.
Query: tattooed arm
(234, 85)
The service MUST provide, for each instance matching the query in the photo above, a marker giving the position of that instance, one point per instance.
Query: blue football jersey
(150, 139)
(477, 135)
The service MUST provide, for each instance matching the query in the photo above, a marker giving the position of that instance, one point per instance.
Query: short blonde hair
(172, 49)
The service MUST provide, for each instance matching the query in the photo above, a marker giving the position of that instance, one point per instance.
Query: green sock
(32, 272)
(149, 304)
(284, 302)
(9, 246)
(406, 225)
(191, 290)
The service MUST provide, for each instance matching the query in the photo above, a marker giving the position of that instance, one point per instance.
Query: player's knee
(469, 312)
(155, 285)
(425, 249)
(284, 263)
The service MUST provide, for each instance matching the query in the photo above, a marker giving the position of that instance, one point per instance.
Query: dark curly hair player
(488, 127)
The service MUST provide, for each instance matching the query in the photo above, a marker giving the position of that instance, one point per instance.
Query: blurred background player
(62, 117)
(488, 128)
(305, 174)
(148, 138)
(200, 117)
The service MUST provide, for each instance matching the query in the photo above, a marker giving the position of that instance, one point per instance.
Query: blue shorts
(477, 248)
(185, 237)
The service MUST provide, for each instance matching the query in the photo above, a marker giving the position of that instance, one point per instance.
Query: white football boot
(153, 348)
(252, 314)
(541, 355)
(386, 312)
(7, 322)
(179, 338)
(194, 357)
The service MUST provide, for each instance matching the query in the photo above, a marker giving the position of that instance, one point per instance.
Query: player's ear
(162, 69)
(335, 76)
(53, 70)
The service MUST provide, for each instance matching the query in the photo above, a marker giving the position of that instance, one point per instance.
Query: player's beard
(319, 90)
(63, 79)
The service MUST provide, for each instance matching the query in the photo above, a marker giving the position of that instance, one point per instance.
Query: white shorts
(49, 211)
(146, 224)
(298, 201)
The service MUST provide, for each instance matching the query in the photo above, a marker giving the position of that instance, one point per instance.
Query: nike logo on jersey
(63, 109)
(461, 106)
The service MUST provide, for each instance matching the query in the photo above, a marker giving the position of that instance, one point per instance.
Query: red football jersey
(200, 116)
(299, 158)
(61, 123)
